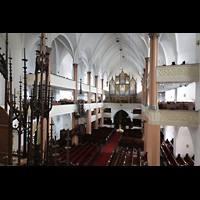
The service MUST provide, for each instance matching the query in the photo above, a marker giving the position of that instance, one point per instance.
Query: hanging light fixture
(120, 129)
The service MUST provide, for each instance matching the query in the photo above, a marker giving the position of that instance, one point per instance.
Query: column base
(153, 107)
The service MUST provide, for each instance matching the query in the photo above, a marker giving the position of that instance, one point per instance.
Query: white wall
(161, 96)
(170, 95)
(186, 47)
(66, 94)
(66, 68)
(196, 131)
(184, 143)
(61, 122)
(182, 137)
(187, 93)
(169, 132)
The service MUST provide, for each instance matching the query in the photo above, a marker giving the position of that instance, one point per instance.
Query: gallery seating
(63, 102)
(176, 106)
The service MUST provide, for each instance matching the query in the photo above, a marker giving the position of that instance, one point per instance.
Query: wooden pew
(73, 154)
(189, 160)
(131, 158)
(112, 157)
(77, 157)
(181, 161)
(177, 105)
(117, 157)
(170, 158)
(123, 157)
(93, 156)
(138, 157)
(85, 155)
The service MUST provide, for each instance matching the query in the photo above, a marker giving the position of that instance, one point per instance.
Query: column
(147, 72)
(142, 114)
(196, 131)
(96, 100)
(144, 85)
(88, 120)
(101, 109)
(153, 63)
(76, 79)
(152, 132)
(74, 120)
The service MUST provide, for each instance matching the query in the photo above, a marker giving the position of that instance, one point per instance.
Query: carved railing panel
(178, 73)
(172, 117)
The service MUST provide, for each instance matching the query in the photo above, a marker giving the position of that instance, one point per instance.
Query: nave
(107, 150)
(119, 73)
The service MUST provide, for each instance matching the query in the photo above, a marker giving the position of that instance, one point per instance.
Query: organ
(123, 89)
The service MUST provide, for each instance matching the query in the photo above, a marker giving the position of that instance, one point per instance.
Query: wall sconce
(198, 42)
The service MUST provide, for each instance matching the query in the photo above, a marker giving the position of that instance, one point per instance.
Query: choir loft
(99, 99)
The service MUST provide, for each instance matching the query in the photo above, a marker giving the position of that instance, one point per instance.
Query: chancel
(99, 99)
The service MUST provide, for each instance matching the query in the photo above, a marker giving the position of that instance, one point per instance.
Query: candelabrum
(41, 100)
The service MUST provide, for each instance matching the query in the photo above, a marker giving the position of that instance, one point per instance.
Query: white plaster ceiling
(99, 52)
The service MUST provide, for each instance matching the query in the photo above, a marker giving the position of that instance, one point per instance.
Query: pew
(123, 158)
(181, 161)
(169, 158)
(79, 155)
(131, 158)
(112, 157)
(56, 103)
(93, 156)
(84, 155)
(189, 160)
(117, 157)
(138, 157)
(73, 154)
(131, 138)
(177, 105)
(99, 136)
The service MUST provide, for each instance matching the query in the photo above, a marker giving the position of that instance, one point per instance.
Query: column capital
(89, 72)
(147, 59)
(154, 35)
(75, 65)
(96, 76)
(102, 79)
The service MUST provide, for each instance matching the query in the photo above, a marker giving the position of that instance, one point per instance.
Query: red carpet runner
(106, 153)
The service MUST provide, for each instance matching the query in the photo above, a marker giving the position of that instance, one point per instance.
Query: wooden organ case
(123, 89)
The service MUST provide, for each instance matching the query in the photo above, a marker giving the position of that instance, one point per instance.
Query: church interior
(99, 99)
